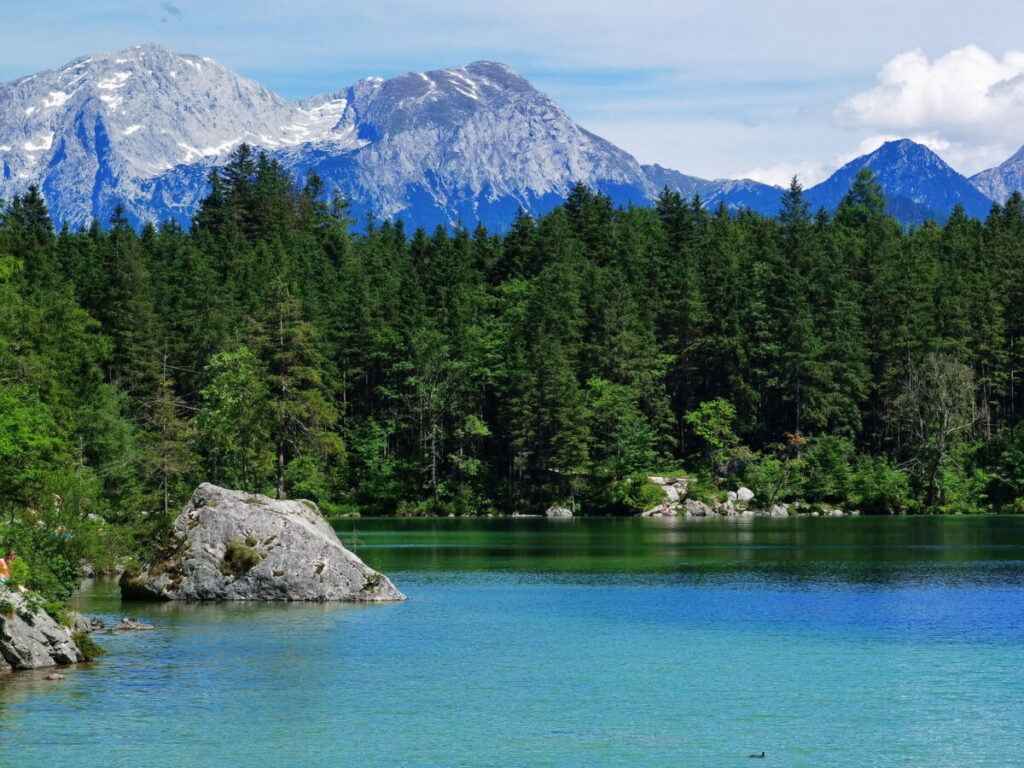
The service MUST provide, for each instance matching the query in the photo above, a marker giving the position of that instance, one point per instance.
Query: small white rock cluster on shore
(739, 503)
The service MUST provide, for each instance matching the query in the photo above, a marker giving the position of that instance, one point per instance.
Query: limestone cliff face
(92, 133)
(142, 126)
(234, 545)
(1002, 181)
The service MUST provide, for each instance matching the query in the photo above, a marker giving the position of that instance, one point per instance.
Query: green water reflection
(603, 545)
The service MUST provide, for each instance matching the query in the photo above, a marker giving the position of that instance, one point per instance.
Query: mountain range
(142, 128)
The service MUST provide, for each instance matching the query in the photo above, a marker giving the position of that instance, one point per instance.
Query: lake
(584, 642)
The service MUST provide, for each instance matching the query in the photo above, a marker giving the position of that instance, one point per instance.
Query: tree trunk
(280, 470)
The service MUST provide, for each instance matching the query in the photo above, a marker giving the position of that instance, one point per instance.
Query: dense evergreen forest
(275, 347)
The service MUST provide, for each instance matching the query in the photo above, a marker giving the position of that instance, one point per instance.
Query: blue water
(676, 649)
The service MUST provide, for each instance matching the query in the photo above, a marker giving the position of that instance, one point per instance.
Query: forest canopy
(273, 347)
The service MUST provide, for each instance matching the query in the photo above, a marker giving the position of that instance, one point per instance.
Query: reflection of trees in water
(794, 549)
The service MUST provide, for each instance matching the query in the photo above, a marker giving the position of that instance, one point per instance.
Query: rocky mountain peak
(141, 126)
(1002, 181)
(918, 183)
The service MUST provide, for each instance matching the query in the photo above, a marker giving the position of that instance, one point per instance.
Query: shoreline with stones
(32, 639)
(228, 545)
(739, 503)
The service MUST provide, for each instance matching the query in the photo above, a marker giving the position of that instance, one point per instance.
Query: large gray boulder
(233, 545)
(557, 511)
(30, 638)
(696, 508)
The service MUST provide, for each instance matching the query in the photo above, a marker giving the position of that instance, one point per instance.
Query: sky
(711, 88)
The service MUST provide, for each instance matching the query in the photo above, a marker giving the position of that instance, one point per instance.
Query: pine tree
(301, 413)
(167, 448)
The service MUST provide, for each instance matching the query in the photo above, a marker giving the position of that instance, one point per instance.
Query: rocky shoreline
(229, 545)
(32, 639)
(739, 503)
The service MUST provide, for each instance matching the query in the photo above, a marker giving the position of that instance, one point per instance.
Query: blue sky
(710, 88)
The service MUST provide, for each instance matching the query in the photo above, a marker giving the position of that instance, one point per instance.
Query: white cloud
(711, 149)
(969, 160)
(809, 172)
(967, 95)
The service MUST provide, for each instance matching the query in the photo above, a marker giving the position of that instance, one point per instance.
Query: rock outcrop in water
(87, 624)
(557, 511)
(233, 545)
(31, 638)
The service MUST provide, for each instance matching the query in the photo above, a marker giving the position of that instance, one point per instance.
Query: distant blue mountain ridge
(142, 128)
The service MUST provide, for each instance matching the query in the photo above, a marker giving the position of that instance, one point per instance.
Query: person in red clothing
(5, 566)
(5, 569)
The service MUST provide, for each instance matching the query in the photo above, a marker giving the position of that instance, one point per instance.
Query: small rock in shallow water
(55, 676)
(87, 624)
(132, 625)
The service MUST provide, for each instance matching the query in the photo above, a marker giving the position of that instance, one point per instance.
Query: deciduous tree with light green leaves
(713, 422)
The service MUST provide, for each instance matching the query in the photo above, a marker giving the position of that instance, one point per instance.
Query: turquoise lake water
(587, 642)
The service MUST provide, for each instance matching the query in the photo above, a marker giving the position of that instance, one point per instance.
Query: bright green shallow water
(602, 642)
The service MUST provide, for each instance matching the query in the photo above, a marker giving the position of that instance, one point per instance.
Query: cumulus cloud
(967, 105)
(967, 94)
(809, 172)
